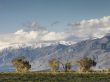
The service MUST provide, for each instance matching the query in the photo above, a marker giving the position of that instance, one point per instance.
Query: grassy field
(58, 77)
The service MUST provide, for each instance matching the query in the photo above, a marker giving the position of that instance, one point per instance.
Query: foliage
(53, 64)
(85, 64)
(21, 65)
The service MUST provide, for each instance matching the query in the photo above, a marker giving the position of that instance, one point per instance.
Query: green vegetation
(57, 77)
(83, 75)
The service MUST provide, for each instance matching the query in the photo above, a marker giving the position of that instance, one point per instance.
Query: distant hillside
(97, 49)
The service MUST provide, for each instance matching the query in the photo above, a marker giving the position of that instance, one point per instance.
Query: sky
(45, 20)
(51, 14)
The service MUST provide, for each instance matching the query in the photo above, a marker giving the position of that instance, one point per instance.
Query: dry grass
(56, 77)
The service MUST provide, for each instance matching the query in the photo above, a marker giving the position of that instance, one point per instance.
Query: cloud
(22, 37)
(21, 31)
(31, 35)
(33, 26)
(39, 35)
(93, 28)
(55, 23)
(33, 32)
(54, 36)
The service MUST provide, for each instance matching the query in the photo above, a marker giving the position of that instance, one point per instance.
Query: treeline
(84, 65)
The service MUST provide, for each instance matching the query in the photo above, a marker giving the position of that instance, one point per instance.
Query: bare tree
(66, 65)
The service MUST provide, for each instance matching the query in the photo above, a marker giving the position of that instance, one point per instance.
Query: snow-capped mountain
(39, 53)
(30, 50)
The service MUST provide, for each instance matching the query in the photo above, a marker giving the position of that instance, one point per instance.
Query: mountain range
(38, 53)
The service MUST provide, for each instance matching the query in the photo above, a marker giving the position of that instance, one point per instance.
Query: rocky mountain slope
(39, 53)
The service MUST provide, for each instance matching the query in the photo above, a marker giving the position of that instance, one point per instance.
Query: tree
(21, 65)
(67, 67)
(85, 64)
(53, 64)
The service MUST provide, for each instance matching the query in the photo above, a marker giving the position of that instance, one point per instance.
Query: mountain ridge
(97, 49)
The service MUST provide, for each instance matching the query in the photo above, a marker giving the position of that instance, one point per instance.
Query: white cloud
(79, 31)
(21, 31)
(30, 35)
(91, 28)
(54, 36)
(23, 36)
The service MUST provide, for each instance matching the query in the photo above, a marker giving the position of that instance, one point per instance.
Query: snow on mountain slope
(35, 44)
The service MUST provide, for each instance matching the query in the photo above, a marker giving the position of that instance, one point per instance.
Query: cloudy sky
(53, 20)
